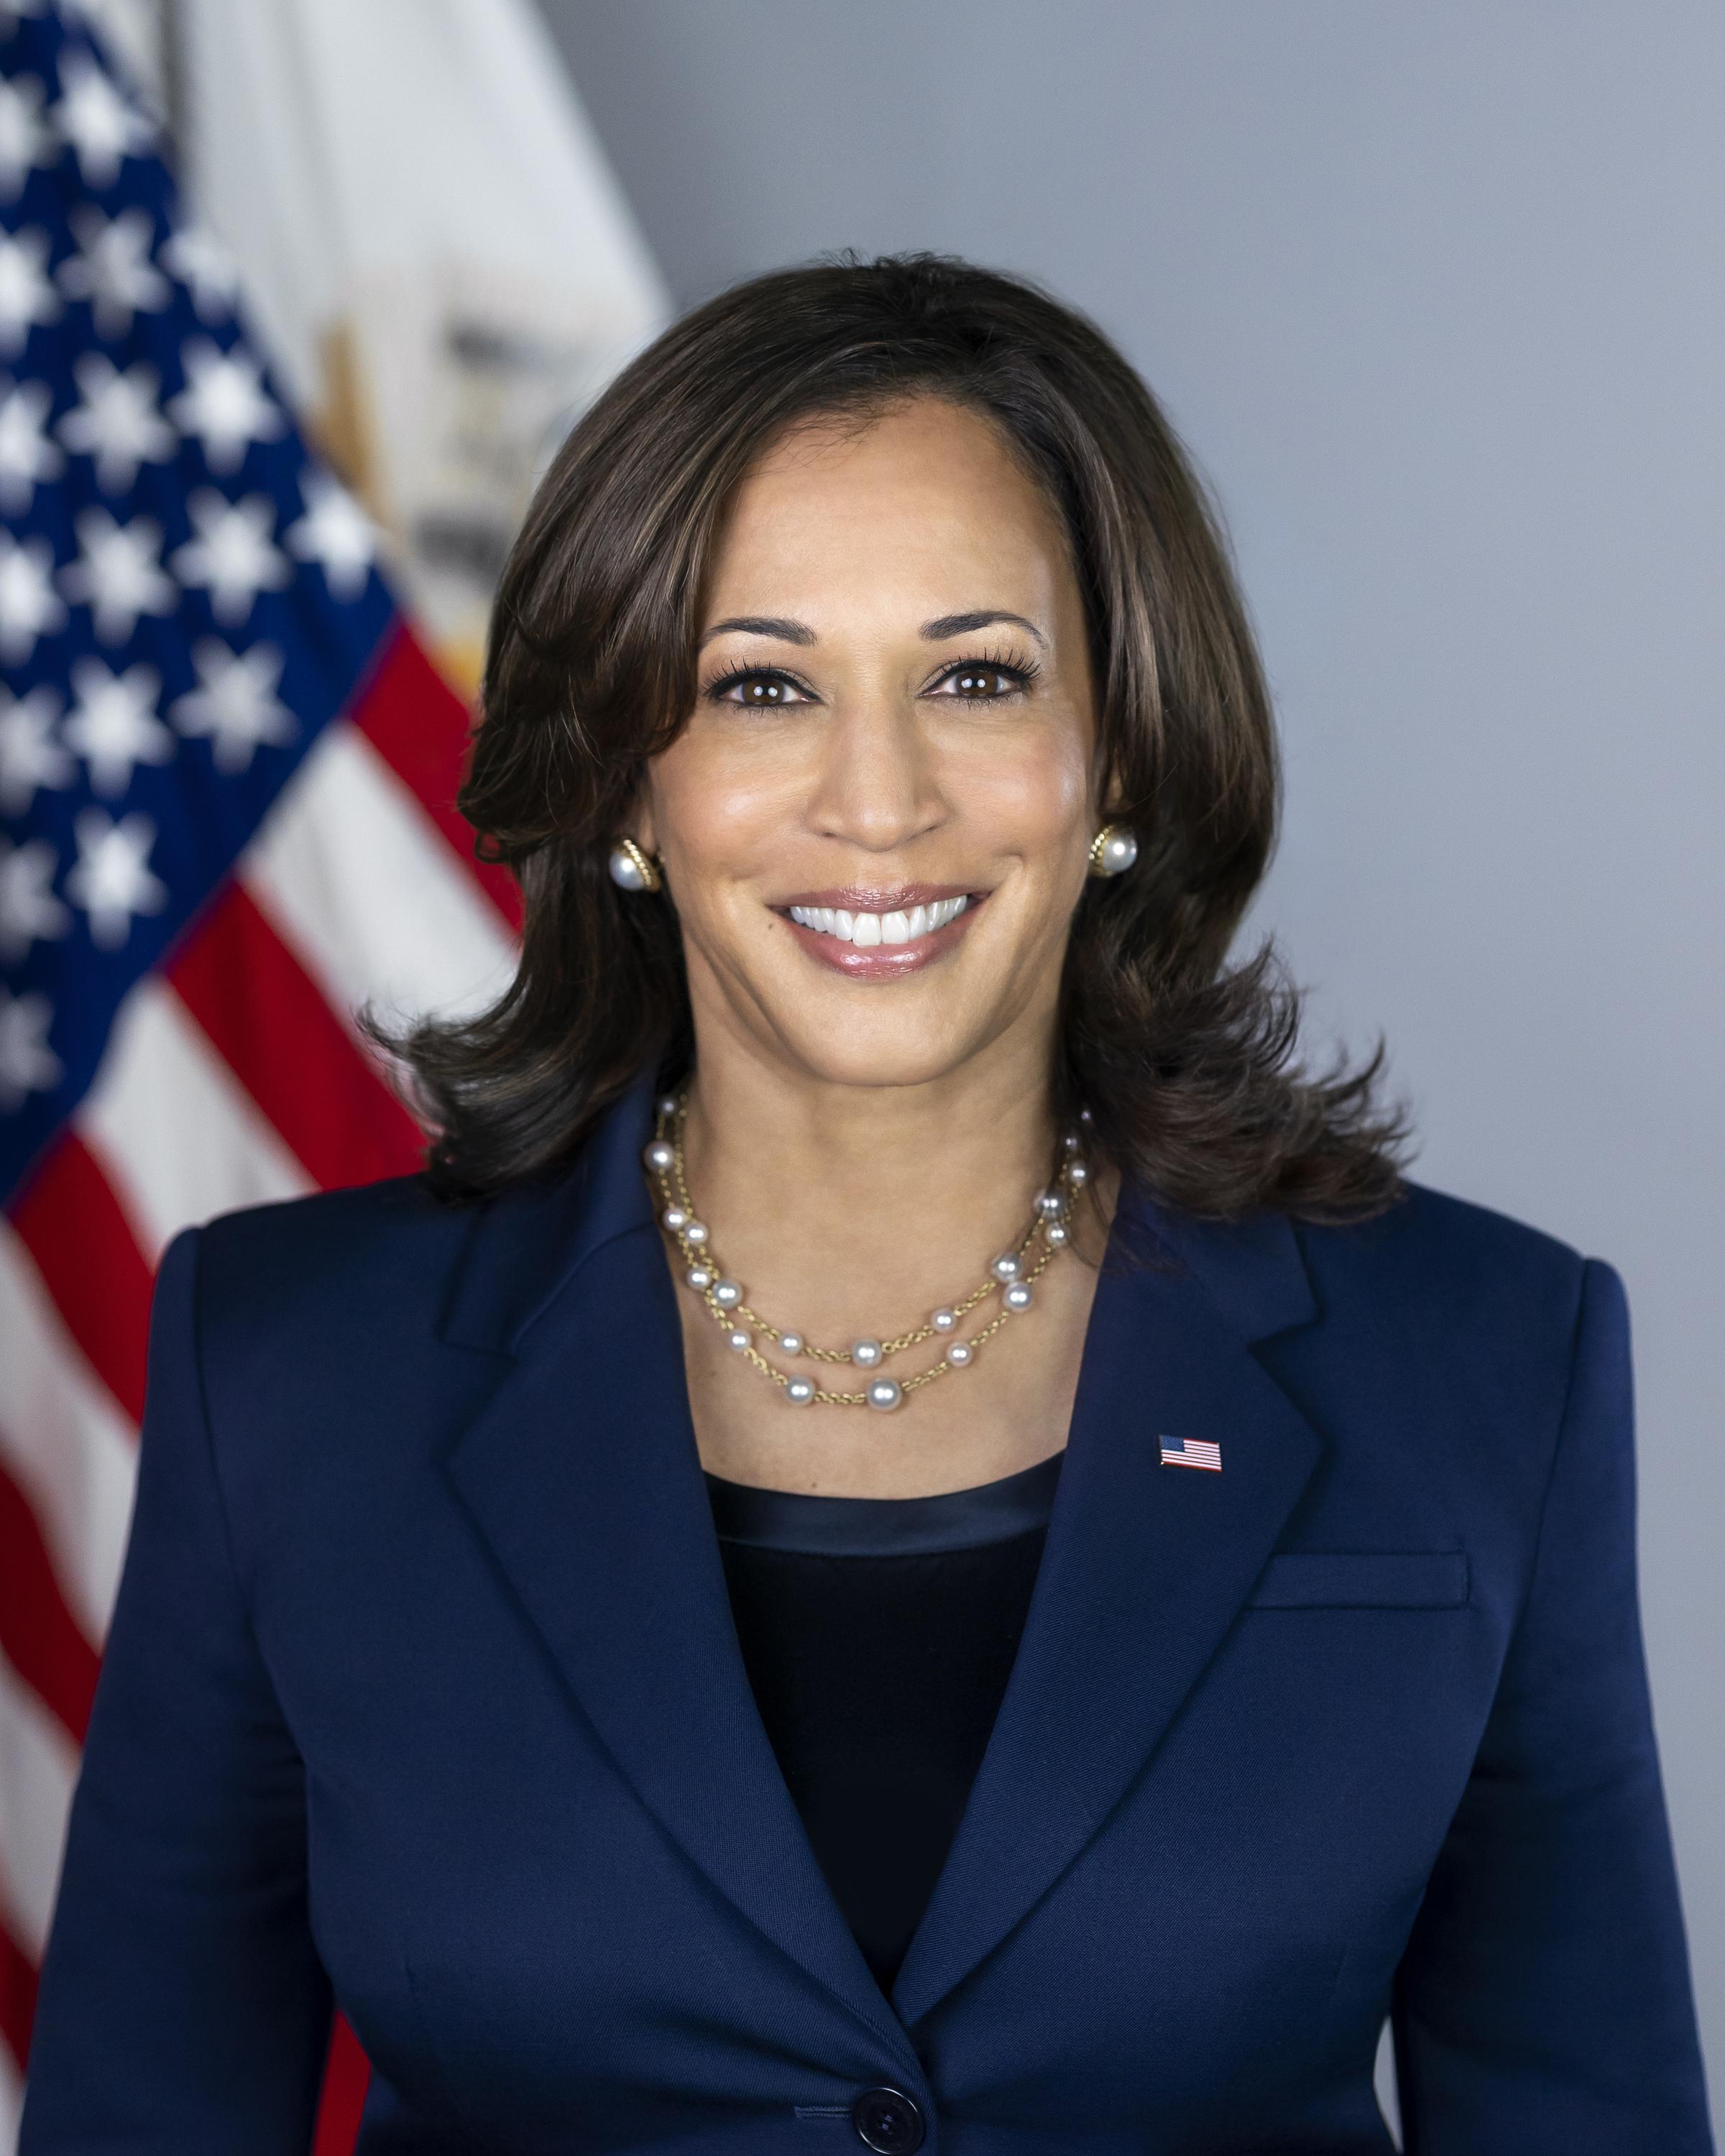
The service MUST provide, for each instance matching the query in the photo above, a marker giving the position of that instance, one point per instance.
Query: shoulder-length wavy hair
(1185, 1062)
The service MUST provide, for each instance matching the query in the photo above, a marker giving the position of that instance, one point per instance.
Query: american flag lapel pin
(1191, 1452)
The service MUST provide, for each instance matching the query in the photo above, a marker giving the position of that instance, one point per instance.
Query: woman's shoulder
(378, 1248)
(362, 1220)
(321, 1331)
(1432, 1244)
(1461, 1292)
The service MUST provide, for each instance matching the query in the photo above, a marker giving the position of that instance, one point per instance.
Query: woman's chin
(848, 1034)
(917, 1060)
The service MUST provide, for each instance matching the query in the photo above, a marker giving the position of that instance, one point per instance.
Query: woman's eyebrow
(932, 632)
(763, 624)
(961, 624)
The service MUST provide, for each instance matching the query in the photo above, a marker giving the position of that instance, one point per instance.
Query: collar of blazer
(582, 1474)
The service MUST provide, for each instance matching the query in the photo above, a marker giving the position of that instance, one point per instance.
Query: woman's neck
(861, 1205)
(851, 1212)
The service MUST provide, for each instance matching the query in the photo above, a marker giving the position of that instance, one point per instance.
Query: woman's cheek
(723, 812)
(1025, 800)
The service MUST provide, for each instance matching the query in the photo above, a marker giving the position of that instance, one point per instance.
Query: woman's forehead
(925, 498)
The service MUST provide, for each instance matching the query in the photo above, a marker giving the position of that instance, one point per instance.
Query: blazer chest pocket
(1362, 1579)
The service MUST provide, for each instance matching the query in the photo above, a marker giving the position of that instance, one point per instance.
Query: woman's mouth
(883, 942)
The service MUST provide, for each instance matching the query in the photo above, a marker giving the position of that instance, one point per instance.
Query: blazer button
(887, 2120)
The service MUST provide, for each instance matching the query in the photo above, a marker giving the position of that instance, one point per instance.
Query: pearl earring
(1113, 850)
(631, 869)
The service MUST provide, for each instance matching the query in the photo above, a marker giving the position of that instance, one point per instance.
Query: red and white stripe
(234, 1075)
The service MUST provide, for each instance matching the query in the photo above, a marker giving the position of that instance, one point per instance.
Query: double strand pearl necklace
(1010, 1276)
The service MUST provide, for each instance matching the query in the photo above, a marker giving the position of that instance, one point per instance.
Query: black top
(878, 1633)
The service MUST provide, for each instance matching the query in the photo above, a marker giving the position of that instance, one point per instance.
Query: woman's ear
(1110, 805)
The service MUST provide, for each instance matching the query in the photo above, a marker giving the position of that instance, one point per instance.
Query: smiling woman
(977, 470)
(1103, 1593)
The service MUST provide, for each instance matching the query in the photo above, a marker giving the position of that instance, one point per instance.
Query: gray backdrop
(1434, 295)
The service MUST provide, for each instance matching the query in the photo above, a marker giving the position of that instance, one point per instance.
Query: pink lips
(881, 961)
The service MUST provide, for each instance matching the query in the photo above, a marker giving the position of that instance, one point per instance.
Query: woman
(910, 1540)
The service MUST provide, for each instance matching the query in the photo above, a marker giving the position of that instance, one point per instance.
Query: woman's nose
(875, 785)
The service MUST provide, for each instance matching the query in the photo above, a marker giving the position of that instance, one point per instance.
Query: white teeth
(866, 930)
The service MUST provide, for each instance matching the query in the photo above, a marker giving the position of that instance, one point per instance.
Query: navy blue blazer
(422, 1694)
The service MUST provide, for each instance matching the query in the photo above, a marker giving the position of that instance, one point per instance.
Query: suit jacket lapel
(1144, 1567)
(582, 1477)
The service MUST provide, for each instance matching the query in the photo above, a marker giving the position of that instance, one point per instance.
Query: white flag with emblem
(444, 269)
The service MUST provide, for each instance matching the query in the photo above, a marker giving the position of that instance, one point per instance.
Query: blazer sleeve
(1543, 2007)
(183, 2009)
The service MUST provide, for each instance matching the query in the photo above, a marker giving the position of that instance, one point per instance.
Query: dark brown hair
(1185, 1062)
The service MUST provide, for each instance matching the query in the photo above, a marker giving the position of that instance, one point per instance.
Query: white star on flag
(224, 404)
(30, 755)
(28, 1065)
(27, 297)
(111, 878)
(29, 909)
(101, 127)
(337, 534)
(113, 725)
(25, 140)
(234, 556)
(118, 574)
(29, 606)
(112, 269)
(117, 424)
(198, 259)
(27, 456)
(236, 707)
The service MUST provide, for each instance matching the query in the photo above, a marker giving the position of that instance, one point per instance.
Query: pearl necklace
(1011, 1275)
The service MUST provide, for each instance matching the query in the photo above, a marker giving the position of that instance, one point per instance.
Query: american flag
(1191, 1452)
(226, 776)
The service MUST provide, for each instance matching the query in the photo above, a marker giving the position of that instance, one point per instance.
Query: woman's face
(874, 826)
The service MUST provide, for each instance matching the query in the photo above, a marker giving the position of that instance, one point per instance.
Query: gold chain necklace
(1010, 1275)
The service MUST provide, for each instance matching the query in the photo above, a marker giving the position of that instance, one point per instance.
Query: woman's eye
(760, 692)
(979, 684)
